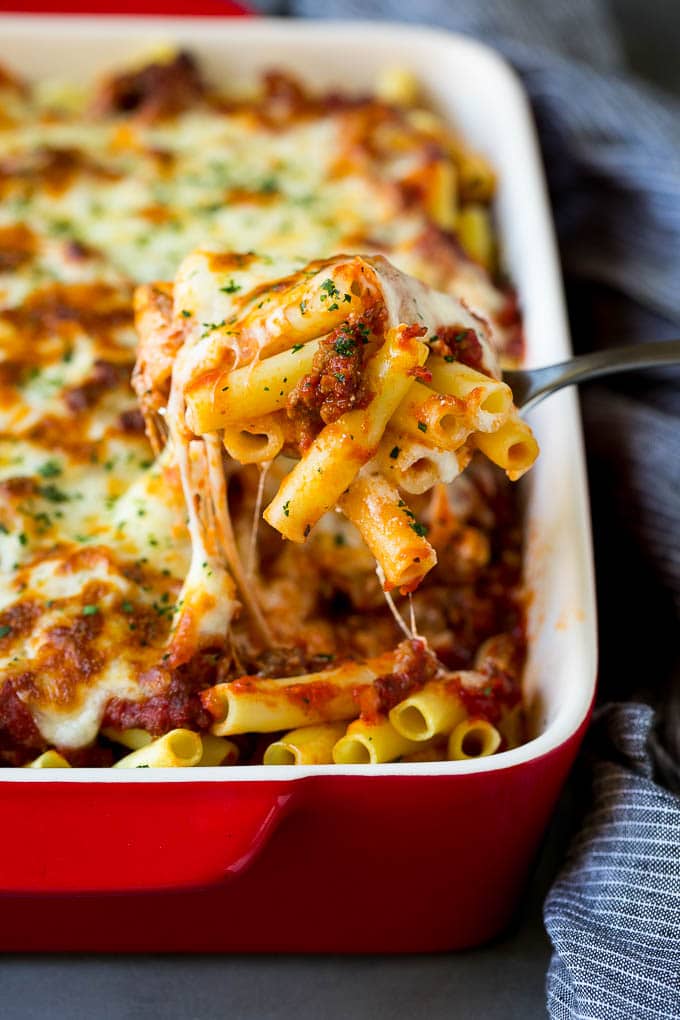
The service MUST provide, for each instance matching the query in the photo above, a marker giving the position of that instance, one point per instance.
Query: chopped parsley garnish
(52, 493)
(420, 529)
(210, 327)
(338, 539)
(296, 347)
(329, 289)
(5, 630)
(50, 469)
(449, 358)
(334, 307)
(186, 313)
(394, 452)
(344, 345)
(286, 508)
(231, 287)
(422, 426)
(23, 538)
(340, 376)
(127, 607)
(303, 307)
(90, 610)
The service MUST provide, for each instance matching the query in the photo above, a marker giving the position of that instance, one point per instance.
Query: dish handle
(125, 837)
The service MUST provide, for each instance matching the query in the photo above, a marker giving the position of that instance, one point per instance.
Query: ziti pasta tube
(254, 704)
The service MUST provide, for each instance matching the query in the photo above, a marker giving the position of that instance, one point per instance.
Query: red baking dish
(393, 858)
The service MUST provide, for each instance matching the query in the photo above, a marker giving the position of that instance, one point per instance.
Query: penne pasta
(414, 467)
(473, 738)
(369, 743)
(430, 712)
(476, 235)
(250, 392)
(436, 419)
(512, 447)
(307, 745)
(487, 402)
(389, 529)
(131, 738)
(176, 749)
(217, 751)
(477, 180)
(254, 442)
(306, 310)
(397, 85)
(262, 705)
(48, 760)
(316, 483)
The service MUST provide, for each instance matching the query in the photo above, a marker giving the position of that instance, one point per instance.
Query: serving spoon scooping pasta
(530, 386)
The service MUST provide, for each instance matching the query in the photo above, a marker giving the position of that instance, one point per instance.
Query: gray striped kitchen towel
(612, 153)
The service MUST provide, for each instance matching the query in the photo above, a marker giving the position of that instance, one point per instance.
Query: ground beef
(458, 343)
(153, 92)
(334, 386)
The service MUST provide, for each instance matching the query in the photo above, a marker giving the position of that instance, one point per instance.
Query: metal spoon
(529, 386)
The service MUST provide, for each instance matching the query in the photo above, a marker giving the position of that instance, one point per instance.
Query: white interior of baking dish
(478, 92)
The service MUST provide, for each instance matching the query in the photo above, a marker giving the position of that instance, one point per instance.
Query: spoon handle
(529, 387)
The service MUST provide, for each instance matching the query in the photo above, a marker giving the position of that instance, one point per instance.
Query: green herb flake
(231, 288)
(394, 452)
(127, 607)
(210, 327)
(5, 630)
(90, 610)
(449, 358)
(329, 289)
(53, 494)
(50, 469)
(422, 427)
(303, 307)
(296, 347)
(286, 508)
(344, 345)
(420, 529)
(186, 313)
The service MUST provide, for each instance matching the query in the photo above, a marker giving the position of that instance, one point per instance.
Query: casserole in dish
(251, 830)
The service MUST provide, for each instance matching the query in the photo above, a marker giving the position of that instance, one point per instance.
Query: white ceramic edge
(543, 251)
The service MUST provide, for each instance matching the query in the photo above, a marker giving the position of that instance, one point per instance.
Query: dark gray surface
(497, 982)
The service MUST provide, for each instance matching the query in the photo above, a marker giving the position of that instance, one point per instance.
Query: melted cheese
(94, 538)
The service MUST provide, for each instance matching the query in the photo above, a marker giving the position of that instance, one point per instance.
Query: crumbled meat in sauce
(458, 343)
(287, 662)
(154, 91)
(334, 386)
(176, 706)
(414, 665)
